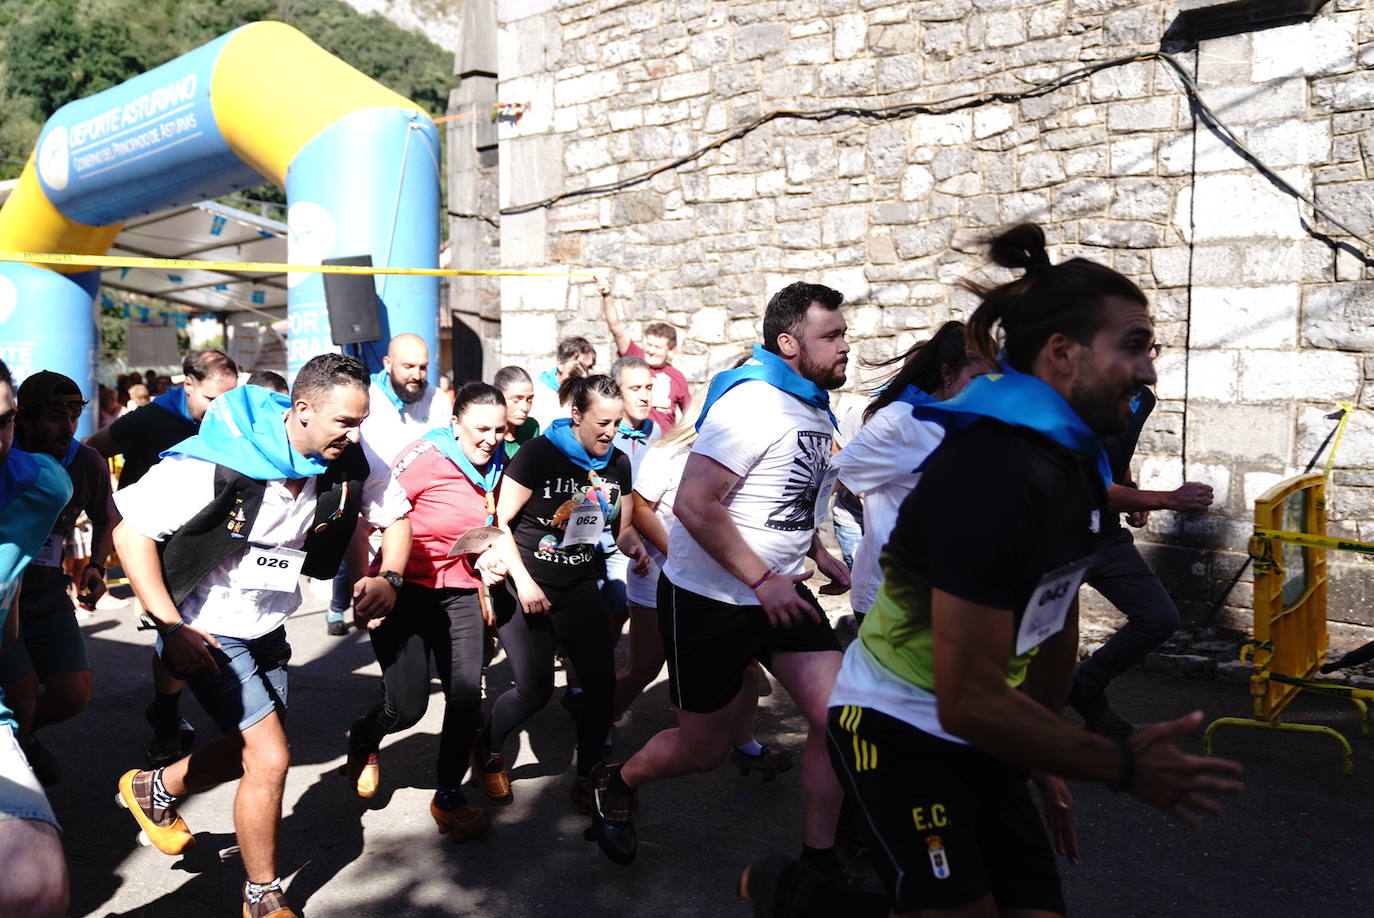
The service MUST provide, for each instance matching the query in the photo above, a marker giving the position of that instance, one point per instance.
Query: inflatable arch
(359, 164)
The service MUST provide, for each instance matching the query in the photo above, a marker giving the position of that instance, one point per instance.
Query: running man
(51, 650)
(670, 394)
(33, 491)
(731, 590)
(953, 692)
(272, 487)
(142, 436)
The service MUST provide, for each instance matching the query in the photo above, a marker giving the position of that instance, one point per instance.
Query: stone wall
(1266, 323)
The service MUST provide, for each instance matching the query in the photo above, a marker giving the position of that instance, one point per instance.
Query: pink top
(443, 506)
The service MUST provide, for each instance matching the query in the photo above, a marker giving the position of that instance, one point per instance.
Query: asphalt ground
(1291, 845)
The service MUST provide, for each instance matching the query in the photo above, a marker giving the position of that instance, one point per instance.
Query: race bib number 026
(276, 569)
(1049, 605)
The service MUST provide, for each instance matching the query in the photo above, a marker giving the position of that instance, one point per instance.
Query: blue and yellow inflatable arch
(359, 164)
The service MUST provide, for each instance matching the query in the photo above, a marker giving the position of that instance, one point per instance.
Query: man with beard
(142, 436)
(271, 488)
(731, 590)
(404, 408)
(50, 649)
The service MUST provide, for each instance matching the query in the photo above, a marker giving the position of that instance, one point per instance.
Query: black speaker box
(354, 315)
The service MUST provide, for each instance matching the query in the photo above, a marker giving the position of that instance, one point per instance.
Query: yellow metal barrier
(1290, 636)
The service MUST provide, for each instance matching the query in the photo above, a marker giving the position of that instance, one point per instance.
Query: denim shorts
(250, 684)
(21, 796)
(50, 639)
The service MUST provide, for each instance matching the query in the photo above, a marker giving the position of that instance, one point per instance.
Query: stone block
(730, 187)
(1157, 114)
(1122, 234)
(847, 78)
(1239, 433)
(1340, 316)
(916, 183)
(942, 130)
(756, 41)
(1213, 374)
(685, 85)
(1201, 151)
(708, 49)
(1004, 29)
(1268, 101)
(841, 225)
(1310, 375)
(852, 282)
(707, 325)
(809, 158)
(1224, 61)
(595, 85)
(1040, 169)
(851, 35)
(1237, 206)
(1318, 47)
(1132, 156)
(923, 239)
(1141, 199)
(1352, 202)
(1289, 143)
(1081, 197)
(899, 74)
(1234, 672)
(1139, 26)
(943, 41)
(1245, 317)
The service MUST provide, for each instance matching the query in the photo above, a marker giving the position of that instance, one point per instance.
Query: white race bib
(50, 555)
(585, 525)
(661, 395)
(825, 493)
(1049, 605)
(277, 569)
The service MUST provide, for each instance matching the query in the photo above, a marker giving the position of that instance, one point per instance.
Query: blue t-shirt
(25, 521)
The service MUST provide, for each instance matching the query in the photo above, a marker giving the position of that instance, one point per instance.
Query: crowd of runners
(547, 513)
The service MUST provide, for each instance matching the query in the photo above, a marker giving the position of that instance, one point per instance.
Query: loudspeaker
(354, 316)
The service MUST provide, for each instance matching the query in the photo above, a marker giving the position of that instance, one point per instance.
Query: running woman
(558, 493)
(33, 491)
(518, 390)
(880, 461)
(731, 592)
(271, 488)
(956, 685)
(451, 477)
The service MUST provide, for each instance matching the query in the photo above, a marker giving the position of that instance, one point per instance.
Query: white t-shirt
(545, 408)
(222, 603)
(880, 464)
(656, 479)
(388, 431)
(780, 447)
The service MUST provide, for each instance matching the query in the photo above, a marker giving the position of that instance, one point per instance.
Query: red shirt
(444, 505)
(670, 395)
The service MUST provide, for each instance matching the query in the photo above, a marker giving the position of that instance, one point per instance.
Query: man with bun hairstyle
(953, 692)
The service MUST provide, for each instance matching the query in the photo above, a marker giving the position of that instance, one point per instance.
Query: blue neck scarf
(383, 380)
(773, 370)
(560, 434)
(173, 401)
(17, 472)
(641, 432)
(1020, 400)
(244, 430)
(447, 443)
(550, 378)
(915, 395)
(67, 457)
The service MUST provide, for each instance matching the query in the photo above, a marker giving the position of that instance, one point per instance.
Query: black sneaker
(780, 886)
(1098, 716)
(613, 827)
(337, 627)
(168, 745)
(43, 763)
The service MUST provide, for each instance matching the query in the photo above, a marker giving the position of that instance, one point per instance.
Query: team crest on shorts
(939, 864)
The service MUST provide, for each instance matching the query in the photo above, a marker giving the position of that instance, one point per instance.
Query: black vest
(214, 534)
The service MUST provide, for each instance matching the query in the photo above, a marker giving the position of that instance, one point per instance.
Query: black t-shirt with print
(556, 487)
(997, 508)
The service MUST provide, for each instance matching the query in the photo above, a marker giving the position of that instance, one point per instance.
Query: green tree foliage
(56, 51)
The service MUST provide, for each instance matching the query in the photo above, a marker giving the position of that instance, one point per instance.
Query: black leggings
(445, 624)
(578, 622)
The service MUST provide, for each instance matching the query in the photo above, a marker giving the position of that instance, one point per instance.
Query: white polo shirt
(226, 601)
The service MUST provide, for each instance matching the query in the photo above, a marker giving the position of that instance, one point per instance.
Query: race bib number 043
(1049, 605)
(276, 569)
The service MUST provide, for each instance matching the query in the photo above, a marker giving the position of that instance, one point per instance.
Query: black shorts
(952, 824)
(709, 644)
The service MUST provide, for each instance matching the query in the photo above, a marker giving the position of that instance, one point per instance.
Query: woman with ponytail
(561, 489)
(956, 683)
(451, 476)
(880, 462)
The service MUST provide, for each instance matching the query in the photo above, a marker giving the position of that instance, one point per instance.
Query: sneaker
(489, 771)
(770, 762)
(1098, 716)
(271, 905)
(161, 828)
(336, 627)
(362, 769)
(44, 763)
(167, 746)
(613, 827)
(780, 886)
(461, 823)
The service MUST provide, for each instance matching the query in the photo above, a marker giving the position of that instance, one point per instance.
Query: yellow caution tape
(191, 264)
(1309, 540)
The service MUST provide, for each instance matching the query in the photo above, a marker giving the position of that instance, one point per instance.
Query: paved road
(1292, 846)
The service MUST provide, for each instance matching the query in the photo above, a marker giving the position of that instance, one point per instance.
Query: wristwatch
(392, 578)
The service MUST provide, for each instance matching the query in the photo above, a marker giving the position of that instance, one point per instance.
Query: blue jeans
(342, 597)
(250, 684)
(848, 538)
(1123, 577)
